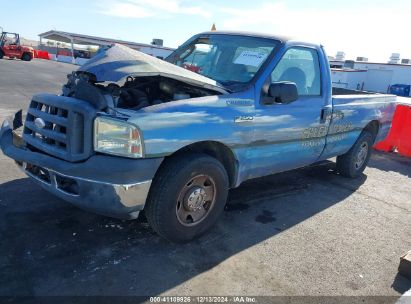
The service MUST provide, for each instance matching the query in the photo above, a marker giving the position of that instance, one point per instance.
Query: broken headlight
(117, 137)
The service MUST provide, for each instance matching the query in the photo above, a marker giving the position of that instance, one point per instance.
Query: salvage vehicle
(10, 46)
(133, 133)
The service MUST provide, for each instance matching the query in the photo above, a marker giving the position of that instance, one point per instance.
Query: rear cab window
(300, 65)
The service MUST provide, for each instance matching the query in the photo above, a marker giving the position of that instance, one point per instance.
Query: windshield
(228, 59)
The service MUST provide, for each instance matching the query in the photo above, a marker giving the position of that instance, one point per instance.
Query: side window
(300, 65)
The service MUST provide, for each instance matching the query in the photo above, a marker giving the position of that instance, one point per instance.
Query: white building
(370, 76)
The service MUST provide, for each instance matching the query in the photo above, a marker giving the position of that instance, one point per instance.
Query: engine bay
(134, 93)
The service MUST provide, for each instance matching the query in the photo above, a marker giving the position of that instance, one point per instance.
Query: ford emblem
(39, 123)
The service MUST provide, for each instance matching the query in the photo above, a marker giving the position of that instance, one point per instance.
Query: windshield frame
(239, 86)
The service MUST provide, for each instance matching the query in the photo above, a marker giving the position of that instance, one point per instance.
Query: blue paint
(266, 139)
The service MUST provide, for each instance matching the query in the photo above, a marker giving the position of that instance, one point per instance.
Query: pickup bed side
(354, 113)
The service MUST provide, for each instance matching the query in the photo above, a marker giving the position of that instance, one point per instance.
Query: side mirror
(281, 92)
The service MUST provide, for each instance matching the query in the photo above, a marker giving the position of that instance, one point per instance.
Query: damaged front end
(57, 148)
(123, 78)
(118, 78)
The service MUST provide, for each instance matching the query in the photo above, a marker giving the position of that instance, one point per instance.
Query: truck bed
(354, 110)
(342, 91)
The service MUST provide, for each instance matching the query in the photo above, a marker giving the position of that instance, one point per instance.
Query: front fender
(228, 120)
(169, 127)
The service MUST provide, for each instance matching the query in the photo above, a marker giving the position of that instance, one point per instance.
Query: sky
(372, 29)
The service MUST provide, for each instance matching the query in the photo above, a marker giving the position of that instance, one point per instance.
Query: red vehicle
(10, 46)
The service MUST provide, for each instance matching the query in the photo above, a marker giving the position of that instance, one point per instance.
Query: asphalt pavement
(309, 232)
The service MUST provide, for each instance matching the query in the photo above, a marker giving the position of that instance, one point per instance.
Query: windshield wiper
(227, 84)
(219, 83)
(223, 86)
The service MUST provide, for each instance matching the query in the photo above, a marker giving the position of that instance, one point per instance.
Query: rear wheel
(187, 196)
(353, 163)
(1, 54)
(26, 57)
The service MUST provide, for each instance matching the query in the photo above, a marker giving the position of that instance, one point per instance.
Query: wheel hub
(195, 199)
(362, 155)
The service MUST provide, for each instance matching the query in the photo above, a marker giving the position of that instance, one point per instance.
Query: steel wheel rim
(361, 155)
(196, 200)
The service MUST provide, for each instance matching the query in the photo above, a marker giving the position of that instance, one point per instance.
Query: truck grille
(63, 129)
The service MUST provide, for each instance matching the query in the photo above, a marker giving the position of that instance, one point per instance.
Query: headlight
(117, 137)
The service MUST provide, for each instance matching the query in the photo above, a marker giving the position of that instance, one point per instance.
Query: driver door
(292, 135)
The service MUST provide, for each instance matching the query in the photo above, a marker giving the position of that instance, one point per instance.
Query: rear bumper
(111, 186)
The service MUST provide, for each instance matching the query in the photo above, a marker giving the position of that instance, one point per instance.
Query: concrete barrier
(68, 59)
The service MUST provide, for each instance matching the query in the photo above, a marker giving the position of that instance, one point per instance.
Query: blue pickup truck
(133, 133)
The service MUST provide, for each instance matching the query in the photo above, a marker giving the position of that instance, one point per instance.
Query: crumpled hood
(120, 61)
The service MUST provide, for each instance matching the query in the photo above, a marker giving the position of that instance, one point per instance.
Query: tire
(176, 199)
(26, 57)
(353, 163)
(1, 55)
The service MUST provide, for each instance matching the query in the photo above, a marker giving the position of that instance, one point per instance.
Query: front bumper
(112, 186)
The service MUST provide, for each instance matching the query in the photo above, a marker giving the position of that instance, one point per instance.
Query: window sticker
(251, 58)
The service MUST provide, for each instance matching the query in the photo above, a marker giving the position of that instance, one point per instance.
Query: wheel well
(217, 150)
(373, 127)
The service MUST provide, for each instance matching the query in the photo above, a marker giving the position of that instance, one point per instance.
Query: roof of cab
(251, 34)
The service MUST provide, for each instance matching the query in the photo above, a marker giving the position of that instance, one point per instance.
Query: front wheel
(353, 163)
(187, 196)
(1, 54)
(26, 57)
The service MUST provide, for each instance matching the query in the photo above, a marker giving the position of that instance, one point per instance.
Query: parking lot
(305, 232)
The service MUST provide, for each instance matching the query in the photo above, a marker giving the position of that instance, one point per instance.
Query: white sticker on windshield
(252, 58)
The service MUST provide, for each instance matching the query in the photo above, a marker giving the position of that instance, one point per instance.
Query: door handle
(323, 115)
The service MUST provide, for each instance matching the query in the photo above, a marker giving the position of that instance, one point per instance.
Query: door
(378, 81)
(288, 136)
